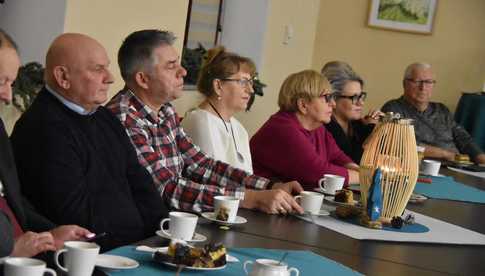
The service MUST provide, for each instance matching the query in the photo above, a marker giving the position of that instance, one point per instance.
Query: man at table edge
(75, 162)
(435, 127)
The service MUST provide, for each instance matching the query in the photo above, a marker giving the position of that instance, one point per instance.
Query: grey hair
(339, 74)
(136, 51)
(411, 67)
(7, 41)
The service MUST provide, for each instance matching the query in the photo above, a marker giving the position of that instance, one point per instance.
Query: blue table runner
(308, 263)
(445, 187)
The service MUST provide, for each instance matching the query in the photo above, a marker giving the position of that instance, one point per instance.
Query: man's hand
(440, 153)
(274, 201)
(68, 233)
(480, 159)
(31, 244)
(292, 187)
(353, 177)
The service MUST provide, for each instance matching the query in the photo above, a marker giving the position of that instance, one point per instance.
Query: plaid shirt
(184, 175)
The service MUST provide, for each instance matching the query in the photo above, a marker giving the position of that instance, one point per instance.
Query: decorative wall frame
(415, 16)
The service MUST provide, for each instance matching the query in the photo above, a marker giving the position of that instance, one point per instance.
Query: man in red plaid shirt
(186, 178)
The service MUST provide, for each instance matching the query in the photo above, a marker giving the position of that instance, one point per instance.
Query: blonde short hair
(307, 85)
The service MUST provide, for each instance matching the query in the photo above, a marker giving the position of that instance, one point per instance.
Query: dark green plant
(30, 80)
(192, 61)
(258, 90)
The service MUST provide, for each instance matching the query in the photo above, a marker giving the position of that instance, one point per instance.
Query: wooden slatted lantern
(392, 148)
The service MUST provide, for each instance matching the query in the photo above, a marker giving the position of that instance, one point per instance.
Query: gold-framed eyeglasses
(241, 82)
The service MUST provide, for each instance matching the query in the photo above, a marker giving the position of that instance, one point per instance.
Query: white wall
(33, 24)
(244, 28)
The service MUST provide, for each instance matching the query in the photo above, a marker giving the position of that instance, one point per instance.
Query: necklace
(239, 155)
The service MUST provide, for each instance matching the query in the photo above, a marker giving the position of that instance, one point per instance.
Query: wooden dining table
(288, 232)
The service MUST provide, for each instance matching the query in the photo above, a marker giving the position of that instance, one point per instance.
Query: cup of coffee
(25, 266)
(265, 267)
(182, 225)
(331, 183)
(79, 258)
(420, 150)
(225, 208)
(430, 167)
(310, 201)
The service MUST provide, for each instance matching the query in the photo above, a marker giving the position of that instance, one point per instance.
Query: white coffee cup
(25, 266)
(268, 267)
(182, 225)
(331, 183)
(430, 167)
(230, 203)
(310, 201)
(79, 259)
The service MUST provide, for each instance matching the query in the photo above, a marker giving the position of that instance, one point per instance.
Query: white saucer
(319, 190)
(332, 201)
(165, 250)
(115, 262)
(196, 238)
(321, 213)
(423, 174)
(212, 217)
(417, 198)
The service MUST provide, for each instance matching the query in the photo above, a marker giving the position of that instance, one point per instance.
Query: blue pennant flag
(374, 201)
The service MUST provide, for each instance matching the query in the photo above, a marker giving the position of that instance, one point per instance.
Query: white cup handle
(161, 227)
(56, 259)
(50, 271)
(321, 183)
(292, 269)
(297, 197)
(246, 263)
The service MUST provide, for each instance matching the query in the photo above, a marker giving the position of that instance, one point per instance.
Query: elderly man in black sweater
(17, 218)
(75, 161)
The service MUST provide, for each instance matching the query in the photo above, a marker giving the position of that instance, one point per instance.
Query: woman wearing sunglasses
(349, 128)
(293, 144)
(226, 81)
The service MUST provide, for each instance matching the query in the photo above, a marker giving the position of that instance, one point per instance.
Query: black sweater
(352, 146)
(26, 216)
(82, 169)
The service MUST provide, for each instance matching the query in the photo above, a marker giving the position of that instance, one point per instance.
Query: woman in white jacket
(226, 81)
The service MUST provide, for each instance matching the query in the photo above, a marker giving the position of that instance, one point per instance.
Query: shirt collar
(145, 111)
(72, 106)
(410, 106)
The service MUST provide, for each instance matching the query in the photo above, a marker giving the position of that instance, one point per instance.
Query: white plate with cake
(332, 201)
(342, 197)
(196, 238)
(209, 257)
(213, 217)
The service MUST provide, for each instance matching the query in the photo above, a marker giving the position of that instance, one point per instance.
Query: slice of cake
(179, 253)
(344, 196)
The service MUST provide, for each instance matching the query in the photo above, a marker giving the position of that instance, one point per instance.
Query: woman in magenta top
(293, 144)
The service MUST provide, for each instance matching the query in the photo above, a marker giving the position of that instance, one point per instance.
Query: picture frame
(414, 16)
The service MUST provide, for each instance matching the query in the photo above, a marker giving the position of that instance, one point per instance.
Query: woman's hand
(372, 117)
(31, 244)
(68, 233)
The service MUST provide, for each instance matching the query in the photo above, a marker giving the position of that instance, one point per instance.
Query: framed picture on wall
(415, 16)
